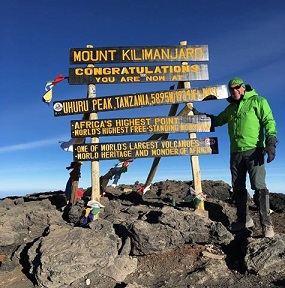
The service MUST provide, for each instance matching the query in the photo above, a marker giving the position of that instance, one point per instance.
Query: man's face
(237, 91)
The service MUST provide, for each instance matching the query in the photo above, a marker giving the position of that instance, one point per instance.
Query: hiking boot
(268, 232)
(238, 226)
(249, 223)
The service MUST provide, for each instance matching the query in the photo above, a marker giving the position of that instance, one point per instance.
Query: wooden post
(196, 173)
(156, 160)
(187, 110)
(74, 187)
(95, 174)
(74, 177)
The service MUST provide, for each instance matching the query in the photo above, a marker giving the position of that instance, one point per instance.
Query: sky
(244, 38)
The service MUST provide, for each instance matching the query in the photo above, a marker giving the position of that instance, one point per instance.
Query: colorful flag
(49, 85)
(68, 145)
(48, 96)
(58, 79)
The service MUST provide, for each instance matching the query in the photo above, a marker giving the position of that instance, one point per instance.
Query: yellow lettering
(81, 148)
(125, 55)
(165, 54)
(155, 78)
(93, 55)
(147, 54)
(194, 68)
(199, 53)
(141, 153)
(78, 71)
(130, 79)
(76, 56)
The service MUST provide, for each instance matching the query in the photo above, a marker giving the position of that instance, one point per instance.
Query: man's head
(237, 88)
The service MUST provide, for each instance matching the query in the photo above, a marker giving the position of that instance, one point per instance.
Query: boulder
(67, 254)
(264, 256)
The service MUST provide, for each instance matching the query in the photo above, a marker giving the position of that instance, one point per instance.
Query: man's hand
(270, 148)
(196, 112)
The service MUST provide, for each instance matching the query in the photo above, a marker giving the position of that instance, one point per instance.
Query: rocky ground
(157, 240)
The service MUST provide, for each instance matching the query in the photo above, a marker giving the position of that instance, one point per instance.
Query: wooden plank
(145, 149)
(139, 100)
(95, 173)
(156, 160)
(137, 74)
(196, 173)
(138, 54)
(139, 126)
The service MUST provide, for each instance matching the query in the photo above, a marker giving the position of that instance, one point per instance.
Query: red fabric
(58, 79)
(126, 164)
(75, 174)
(79, 193)
(140, 190)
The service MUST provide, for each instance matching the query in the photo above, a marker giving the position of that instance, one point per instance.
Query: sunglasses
(236, 87)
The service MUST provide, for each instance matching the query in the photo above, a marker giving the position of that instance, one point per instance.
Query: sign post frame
(95, 173)
(194, 159)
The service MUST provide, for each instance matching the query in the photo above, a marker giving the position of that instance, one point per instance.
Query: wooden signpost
(138, 100)
(143, 149)
(159, 127)
(196, 173)
(137, 74)
(138, 54)
(95, 171)
(144, 125)
(187, 110)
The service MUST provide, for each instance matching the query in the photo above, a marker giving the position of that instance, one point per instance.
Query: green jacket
(247, 122)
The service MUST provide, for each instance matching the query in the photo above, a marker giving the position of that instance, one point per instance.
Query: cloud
(30, 145)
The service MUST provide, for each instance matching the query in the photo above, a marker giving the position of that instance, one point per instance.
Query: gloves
(196, 112)
(269, 149)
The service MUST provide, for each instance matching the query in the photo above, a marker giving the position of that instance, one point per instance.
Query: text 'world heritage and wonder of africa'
(142, 149)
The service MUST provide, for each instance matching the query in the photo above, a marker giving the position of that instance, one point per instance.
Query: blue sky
(245, 39)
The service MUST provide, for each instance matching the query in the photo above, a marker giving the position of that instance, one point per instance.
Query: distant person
(250, 122)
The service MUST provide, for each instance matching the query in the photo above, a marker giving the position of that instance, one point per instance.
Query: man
(250, 122)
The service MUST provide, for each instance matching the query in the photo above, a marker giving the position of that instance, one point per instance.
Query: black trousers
(251, 162)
